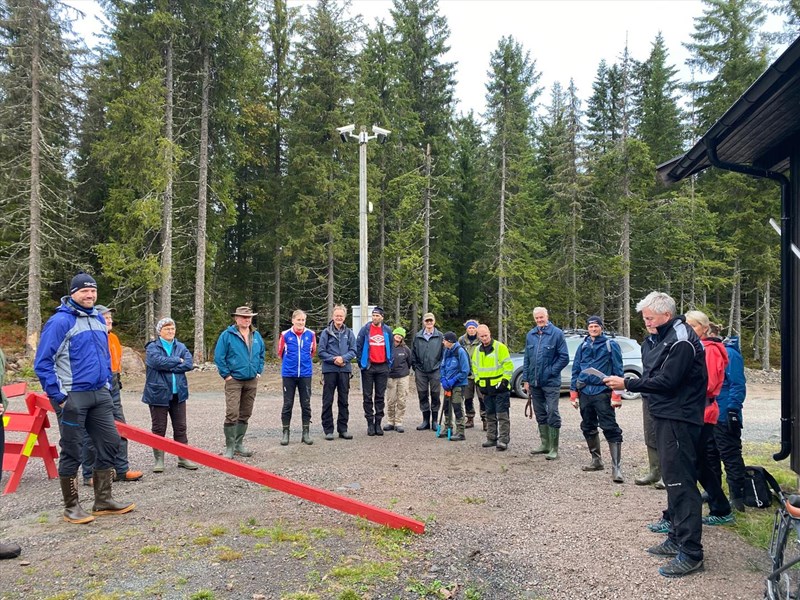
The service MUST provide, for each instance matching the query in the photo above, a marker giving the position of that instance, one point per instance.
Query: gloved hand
(573, 397)
(446, 384)
(733, 419)
(616, 400)
(502, 386)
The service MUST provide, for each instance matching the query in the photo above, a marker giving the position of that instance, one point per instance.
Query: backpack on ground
(758, 487)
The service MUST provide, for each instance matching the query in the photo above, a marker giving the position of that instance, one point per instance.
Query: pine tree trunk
(397, 294)
(626, 274)
(202, 203)
(501, 280)
(149, 316)
(34, 316)
(426, 267)
(766, 326)
(574, 260)
(757, 333)
(276, 305)
(330, 290)
(382, 263)
(165, 297)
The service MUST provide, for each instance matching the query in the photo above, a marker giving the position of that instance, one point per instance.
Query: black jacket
(401, 366)
(426, 355)
(674, 378)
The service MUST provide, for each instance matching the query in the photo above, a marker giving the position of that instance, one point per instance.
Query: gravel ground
(498, 525)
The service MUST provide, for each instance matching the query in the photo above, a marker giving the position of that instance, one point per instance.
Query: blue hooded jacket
(455, 367)
(165, 372)
(734, 390)
(234, 358)
(362, 345)
(73, 353)
(601, 353)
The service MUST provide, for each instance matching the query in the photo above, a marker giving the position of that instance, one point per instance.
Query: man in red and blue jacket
(374, 351)
(296, 347)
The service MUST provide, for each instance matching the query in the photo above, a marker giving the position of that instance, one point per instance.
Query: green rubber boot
(230, 440)
(553, 454)
(238, 448)
(158, 467)
(544, 433)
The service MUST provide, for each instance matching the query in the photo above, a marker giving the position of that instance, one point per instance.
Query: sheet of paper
(593, 371)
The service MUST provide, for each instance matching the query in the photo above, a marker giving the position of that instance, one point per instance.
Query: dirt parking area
(498, 525)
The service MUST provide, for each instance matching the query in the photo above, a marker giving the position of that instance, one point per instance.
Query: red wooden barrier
(282, 484)
(34, 423)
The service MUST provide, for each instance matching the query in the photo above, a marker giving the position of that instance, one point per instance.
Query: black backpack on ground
(758, 487)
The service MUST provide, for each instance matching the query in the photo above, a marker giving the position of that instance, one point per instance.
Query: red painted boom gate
(282, 484)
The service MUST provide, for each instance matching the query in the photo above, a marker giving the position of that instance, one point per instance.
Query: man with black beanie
(74, 367)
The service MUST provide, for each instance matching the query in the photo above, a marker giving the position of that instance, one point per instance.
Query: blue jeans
(93, 412)
(545, 405)
(89, 455)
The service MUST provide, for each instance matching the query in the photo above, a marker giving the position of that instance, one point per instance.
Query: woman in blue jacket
(166, 389)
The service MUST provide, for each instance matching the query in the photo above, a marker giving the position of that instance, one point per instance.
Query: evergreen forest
(191, 163)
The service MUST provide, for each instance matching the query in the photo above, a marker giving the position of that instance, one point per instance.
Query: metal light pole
(363, 137)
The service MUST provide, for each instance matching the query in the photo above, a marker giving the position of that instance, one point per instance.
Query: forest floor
(499, 525)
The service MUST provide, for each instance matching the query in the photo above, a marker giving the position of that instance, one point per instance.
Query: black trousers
(303, 386)
(94, 412)
(678, 443)
(428, 387)
(338, 382)
(729, 448)
(121, 465)
(648, 425)
(374, 381)
(596, 410)
(709, 473)
(176, 412)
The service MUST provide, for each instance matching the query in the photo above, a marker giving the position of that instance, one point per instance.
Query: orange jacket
(115, 348)
(716, 361)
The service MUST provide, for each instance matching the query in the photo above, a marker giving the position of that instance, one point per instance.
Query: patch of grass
(364, 572)
(226, 554)
(252, 521)
(217, 530)
(151, 550)
(180, 582)
(474, 500)
(260, 546)
(102, 596)
(617, 493)
(71, 595)
(43, 519)
(299, 553)
(202, 595)
(348, 595)
(391, 542)
(435, 588)
(320, 533)
(300, 596)
(203, 540)
(472, 593)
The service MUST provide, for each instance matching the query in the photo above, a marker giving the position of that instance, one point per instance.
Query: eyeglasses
(429, 320)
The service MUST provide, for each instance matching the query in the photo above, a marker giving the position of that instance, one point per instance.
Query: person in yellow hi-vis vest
(492, 367)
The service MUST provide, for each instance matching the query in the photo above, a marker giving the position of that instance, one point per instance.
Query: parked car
(631, 362)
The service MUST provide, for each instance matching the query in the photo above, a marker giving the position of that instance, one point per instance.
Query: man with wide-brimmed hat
(239, 356)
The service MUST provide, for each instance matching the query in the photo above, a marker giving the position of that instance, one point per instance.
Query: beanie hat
(80, 281)
(594, 319)
(162, 323)
(450, 337)
(471, 323)
(378, 310)
(399, 331)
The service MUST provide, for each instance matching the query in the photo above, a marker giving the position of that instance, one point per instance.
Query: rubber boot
(285, 436)
(504, 431)
(185, 463)
(736, 496)
(594, 449)
(553, 454)
(660, 485)
(655, 471)
(615, 448)
(104, 504)
(371, 426)
(158, 467)
(238, 447)
(378, 428)
(306, 435)
(544, 433)
(491, 431)
(426, 421)
(73, 511)
(230, 440)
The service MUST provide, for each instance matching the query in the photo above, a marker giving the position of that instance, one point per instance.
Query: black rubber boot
(285, 436)
(594, 449)
(104, 504)
(307, 435)
(378, 428)
(73, 511)
(615, 448)
(426, 421)
(370, 426)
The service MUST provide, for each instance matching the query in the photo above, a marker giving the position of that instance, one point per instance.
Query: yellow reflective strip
(29, 444)
(6, 420)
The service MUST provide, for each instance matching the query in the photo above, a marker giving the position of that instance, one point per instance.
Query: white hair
(659, 302)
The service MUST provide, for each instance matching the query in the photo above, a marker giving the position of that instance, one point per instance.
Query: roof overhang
(758, 130)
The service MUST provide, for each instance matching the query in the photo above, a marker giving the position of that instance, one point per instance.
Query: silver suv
(631, 361)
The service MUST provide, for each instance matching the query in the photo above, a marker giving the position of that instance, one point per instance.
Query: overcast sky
(566, 38)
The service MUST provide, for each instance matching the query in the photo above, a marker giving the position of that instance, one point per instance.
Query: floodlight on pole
(363, 137)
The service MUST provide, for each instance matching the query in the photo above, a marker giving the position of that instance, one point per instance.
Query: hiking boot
(665, 548)
(714, 520)
(458, 437)
(660, 526)
(489, 443)
(127, 476)
(470, 423)
(388, 427)
(345, 436)
(502, 446)
(680, 566)
(399, 429)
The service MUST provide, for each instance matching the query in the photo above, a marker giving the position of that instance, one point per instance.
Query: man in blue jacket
(728, 432)
(545, 356)
(74, 367)
(239, 356)
(337, 348)
(596, 401)
(374, 351)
